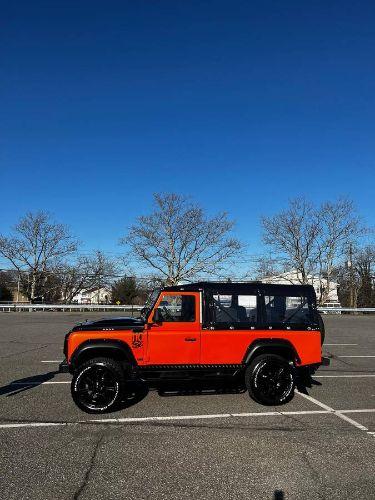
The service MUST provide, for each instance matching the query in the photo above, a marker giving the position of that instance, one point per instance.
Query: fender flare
(112, 345)
(259, 345)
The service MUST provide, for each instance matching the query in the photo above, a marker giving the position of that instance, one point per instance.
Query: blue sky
(240, 104)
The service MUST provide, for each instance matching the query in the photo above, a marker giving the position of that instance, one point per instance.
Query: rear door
(176, 339)
(233, 328)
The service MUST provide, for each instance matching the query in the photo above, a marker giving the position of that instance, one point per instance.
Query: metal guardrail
(17, 307)
(339, 310)
(9, 307)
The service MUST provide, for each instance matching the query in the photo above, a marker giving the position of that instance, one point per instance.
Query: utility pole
(351, 278)
(18, 286)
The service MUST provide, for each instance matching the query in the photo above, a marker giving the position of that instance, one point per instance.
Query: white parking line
(49, 382)
(368, 410)
(211, 416)
(199, 417)
(52, 361)
(344, 376)
(326, 411)
(351, 421)
(315, 401)
(335, 412)
(367, 356)
(340, 344)
(33, 424)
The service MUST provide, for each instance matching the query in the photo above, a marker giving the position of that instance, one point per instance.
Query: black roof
(242, 287)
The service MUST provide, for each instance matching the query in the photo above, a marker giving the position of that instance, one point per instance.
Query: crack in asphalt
(89, 469)
(314, 473)
(23, 352)
(336, 358)
(27, 343)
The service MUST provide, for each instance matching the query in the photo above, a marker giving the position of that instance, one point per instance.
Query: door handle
(190, 339)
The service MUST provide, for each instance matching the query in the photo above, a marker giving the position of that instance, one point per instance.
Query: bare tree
(339, 226)
(89, 272)
(266, 267)
(35, 247)
(356, 277)
(292, 234)
(310, 240)
(179, 241)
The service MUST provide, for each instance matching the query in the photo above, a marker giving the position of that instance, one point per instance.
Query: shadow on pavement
(199, 388)
(24, 384)
(306, 382)
(134, 394)
(278, 495)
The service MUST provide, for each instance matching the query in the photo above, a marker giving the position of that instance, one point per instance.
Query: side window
(292, 310)
(235, 309)
(177, 308)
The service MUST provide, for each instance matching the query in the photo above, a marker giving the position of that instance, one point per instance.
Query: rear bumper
(64, 367)
(311, 369)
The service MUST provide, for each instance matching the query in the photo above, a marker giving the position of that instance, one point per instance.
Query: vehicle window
(177, 308)
(292, 310)
(234, 309)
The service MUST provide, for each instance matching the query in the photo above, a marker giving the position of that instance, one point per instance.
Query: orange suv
(263, 336)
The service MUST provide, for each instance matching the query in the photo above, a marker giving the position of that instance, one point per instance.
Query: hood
(123, 323)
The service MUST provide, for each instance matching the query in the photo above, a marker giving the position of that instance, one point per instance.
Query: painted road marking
(338, 344)
(52, 361)
(198, 417)
(328, 411)
(343, 376)
(33, 424)
(368, 410)
(367, 356)
(351, 421)
(334, 412)
(42, 383)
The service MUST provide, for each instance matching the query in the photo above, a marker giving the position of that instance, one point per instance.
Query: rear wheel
(270, 380)
(98, 385)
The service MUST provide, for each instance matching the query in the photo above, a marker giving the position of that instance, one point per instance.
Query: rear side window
(287, 310)
(235, 309)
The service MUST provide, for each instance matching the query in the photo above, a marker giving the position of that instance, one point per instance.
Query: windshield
(150, 302)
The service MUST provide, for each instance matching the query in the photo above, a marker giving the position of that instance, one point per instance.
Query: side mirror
(157, 318)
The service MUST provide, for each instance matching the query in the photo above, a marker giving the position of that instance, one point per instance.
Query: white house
(93, 296)
(292, 277)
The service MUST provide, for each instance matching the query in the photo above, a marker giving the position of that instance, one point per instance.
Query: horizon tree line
(179, 242)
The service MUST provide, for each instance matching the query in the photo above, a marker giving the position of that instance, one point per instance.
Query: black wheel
(270, 380)
(98, 385)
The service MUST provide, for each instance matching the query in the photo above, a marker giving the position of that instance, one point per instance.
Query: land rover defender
(263, 336)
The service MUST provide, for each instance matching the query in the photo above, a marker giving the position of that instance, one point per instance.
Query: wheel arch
(115, 349)
(281, 347)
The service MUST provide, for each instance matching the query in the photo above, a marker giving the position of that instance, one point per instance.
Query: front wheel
(270, 380)
(97, 385)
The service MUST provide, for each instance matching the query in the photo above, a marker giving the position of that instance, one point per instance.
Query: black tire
(98, 385)
(270, 380)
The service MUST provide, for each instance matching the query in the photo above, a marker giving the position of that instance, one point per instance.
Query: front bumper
(64, 367)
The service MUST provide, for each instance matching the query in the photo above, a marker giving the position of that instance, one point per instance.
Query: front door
(175, 339)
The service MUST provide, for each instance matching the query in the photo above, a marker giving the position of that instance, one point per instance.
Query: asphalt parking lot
(214, 446)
